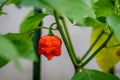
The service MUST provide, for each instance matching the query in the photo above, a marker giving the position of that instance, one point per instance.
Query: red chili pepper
(50, 46)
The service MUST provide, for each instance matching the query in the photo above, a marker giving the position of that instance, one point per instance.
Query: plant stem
(39, 27)
(43, 27)
(68, 36)
(100, 48)
(113, 46)
(50, 30)
(59, 27)
(37, 65)
(112, 71)
(88, 51)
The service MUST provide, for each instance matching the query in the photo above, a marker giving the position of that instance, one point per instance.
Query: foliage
(7, 51)
(102, 15)
(108, 56)
(26, 25)
(89, 74)
(23, 44)
(113, 21)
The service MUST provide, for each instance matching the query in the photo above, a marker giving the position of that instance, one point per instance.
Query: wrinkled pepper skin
(50, 46)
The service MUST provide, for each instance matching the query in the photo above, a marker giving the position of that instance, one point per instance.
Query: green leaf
(31, 22)
(31, 13)
(34, 3)
(107, 57)
(3, 61)
(31, 3)
(92, 22)
(74, 9)
(89, 74)
(23, 44)
(16, 2)
(114, 23)
(1, 13)
(8, 51)
(1, 1)
(103, 8)
(102, 19)
(89, 21)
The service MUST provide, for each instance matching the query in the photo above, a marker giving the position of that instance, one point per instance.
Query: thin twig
(99, 49)
(86, 54)
(116, 45)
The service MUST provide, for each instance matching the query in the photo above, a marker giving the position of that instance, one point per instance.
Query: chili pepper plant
(103, 16)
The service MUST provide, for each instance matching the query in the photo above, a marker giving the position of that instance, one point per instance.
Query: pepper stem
(50, 30)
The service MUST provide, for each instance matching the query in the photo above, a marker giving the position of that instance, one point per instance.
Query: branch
(96, 52)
